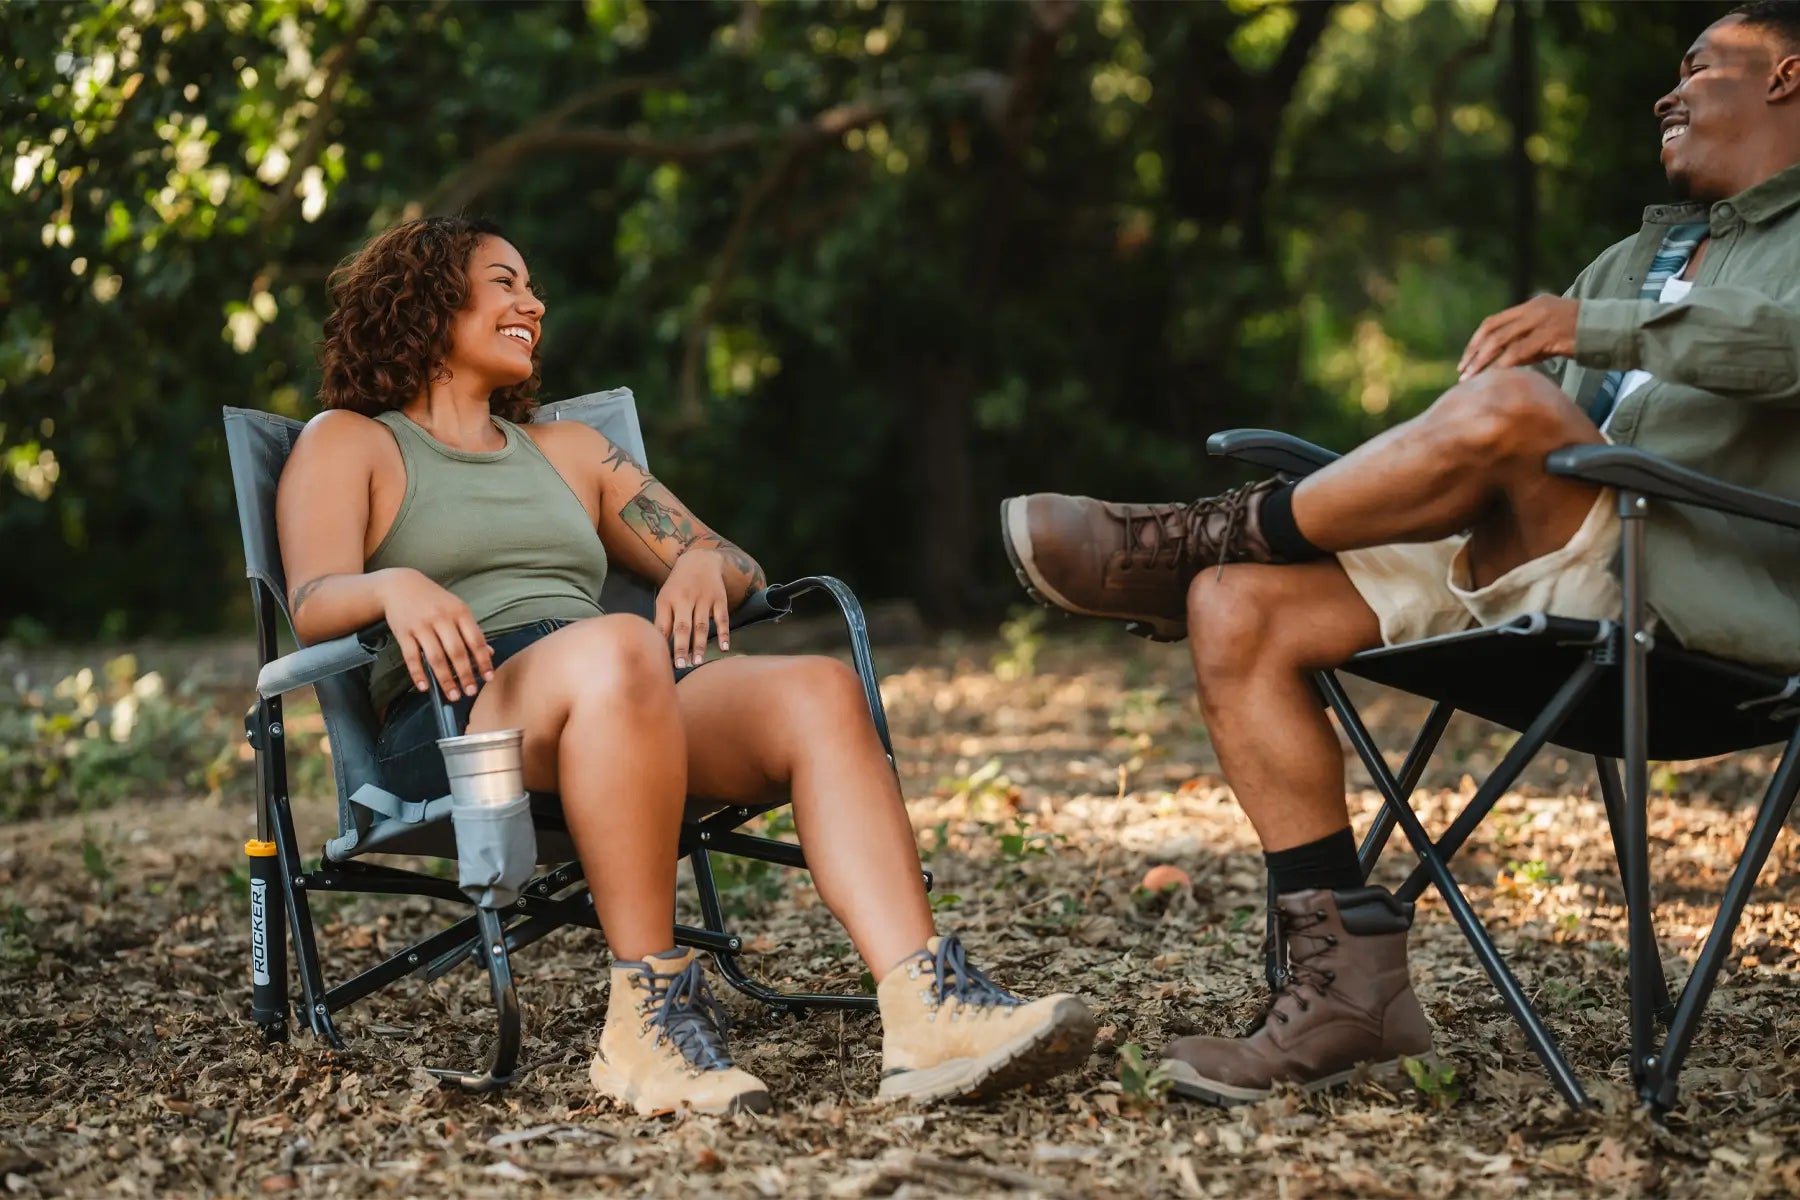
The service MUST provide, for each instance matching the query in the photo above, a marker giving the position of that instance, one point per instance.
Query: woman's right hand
(434, 628)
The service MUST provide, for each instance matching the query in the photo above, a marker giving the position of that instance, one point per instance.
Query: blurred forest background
(869, 265)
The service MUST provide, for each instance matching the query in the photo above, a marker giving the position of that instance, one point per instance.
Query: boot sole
(1191, 1085)
(628, 1097)
(1061, 1045)
(1015, 535)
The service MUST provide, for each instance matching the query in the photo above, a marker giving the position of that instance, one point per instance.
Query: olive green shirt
(1724, 399)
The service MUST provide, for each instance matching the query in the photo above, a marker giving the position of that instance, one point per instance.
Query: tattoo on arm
(660, 522)
(303, 591)
(670, 531)
(743, 564)
(621, 457)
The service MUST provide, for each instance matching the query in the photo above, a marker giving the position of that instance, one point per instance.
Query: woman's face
(492, 339)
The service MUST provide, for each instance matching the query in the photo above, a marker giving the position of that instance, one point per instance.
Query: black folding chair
(1610, 689)
(370, 822)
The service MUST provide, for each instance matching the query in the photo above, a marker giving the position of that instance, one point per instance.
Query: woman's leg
(759, 727)
(602, 728)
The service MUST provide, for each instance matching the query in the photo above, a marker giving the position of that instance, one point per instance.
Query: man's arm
(1735, 341)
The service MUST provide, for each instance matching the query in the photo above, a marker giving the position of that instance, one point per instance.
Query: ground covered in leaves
(1044, 780)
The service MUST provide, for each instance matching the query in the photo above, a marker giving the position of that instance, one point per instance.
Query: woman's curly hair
(392, 304)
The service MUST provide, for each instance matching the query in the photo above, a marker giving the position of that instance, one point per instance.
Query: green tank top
(498, 528)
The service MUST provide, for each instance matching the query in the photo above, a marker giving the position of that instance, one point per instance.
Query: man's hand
(690, 598)
(1542, 327)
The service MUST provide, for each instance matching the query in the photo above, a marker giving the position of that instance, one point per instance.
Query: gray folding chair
(1609, 689)
(372, 820)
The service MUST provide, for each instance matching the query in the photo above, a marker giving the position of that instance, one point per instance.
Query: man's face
(1712, 123)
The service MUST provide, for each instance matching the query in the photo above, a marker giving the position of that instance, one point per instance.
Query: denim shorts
(411, 765)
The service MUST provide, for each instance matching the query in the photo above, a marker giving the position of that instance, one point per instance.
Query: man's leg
(1473, 461)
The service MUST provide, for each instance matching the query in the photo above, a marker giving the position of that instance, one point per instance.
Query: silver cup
(485, 768)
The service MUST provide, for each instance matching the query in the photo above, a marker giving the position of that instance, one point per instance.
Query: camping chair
(371, 820)
(1610, 689)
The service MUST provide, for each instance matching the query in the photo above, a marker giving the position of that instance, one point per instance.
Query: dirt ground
(127, 1066)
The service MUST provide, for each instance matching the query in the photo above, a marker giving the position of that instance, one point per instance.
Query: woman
(424, 496)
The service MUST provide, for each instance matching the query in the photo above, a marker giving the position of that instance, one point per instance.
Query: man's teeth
(1673, 132)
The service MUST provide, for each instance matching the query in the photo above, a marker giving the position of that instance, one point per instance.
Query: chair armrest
(321, 661)
(765, 604)
(1281, 452)
(1632, 470)
(780, 598)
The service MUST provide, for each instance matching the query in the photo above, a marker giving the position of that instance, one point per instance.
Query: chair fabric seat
(1699, 705)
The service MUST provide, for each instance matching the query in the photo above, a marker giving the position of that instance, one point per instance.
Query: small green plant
(945, 901)
(1021, 843)
(986, 787)
(1023, 636)
(1142, 1086)
(17, 948)
(1437, 1082)
(940, 838)
(93, 860)
(1534, 872)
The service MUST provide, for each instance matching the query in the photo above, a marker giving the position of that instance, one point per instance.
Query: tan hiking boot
(1346, 1005)
(950, 1032)
(663, 1047)
(1132, 562)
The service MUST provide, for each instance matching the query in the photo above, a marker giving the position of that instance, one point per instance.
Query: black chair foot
(502, 1069)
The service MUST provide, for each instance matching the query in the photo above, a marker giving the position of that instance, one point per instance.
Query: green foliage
(1021, 843)
(92, 740)
(1437, 1082)
(1141, 1085)
(868, 265)
(1023, 637)
(17, 944)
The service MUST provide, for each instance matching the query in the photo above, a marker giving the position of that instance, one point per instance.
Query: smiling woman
(425, 496)
(394, 305)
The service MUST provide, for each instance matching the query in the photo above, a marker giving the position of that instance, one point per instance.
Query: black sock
(1329, 862)
(1278, 528)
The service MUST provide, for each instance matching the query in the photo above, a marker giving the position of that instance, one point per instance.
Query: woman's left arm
(701, 576)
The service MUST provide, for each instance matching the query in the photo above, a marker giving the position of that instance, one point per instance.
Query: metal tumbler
(485, 768)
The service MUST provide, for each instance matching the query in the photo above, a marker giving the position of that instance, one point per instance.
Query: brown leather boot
(1346, 1005)
(1132, 562)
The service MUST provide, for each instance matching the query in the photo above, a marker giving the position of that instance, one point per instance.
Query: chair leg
(732, 970)
(1375, 841)
(1438, 871)
(1778, 802)
(271, 761)
(1634, 830)
(1612, 794)
(505, 1060)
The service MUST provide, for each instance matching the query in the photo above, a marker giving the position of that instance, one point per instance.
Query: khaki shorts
(1420, 590)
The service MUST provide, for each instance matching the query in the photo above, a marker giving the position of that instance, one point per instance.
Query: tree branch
(547, 136)
(335, 63)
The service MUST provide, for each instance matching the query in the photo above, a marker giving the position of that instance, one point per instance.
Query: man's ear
(1784, 80)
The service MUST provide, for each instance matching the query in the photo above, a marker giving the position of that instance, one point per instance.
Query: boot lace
(1298, 975)
(1180, 534)
(688, 1016)
(953, 977)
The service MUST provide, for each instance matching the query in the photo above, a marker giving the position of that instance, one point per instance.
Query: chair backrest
(259, 444)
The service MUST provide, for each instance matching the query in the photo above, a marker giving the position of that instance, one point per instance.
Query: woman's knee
(613, 656)
(826, 686)
(1505, 415)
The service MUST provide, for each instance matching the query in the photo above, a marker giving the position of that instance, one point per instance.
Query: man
(1450, 520)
